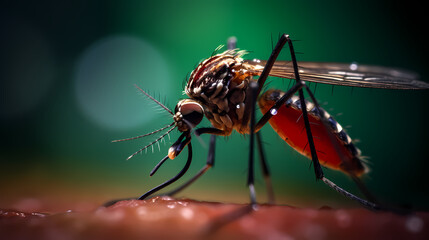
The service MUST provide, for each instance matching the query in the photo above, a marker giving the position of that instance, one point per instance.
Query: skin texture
(167, 218)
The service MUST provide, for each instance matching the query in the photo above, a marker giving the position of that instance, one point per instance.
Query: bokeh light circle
(105, 77)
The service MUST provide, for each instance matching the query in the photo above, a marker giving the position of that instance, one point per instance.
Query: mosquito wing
(353, 75)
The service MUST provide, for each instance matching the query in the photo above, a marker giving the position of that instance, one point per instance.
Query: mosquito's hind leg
(298, 88)
(363, 189)
(316, 164)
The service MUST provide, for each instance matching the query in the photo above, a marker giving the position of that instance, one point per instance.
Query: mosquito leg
(317, 168)
(322, 117)
(242, 211)
(270, 113)
(178, 146)
(213, 131)
(210, 158)
(231, 44)
(298, 87)
(209, 164)
(265, 170)
(364, 189)
(316, 164)
(271, 60)
(223, 220)
(367, 204)
(356, 179)
(187, 141)
(251, 175)
(263, 77)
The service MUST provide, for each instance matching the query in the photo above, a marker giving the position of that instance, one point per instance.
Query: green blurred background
(68, 70)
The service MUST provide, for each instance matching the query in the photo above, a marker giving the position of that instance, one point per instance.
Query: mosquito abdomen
(289, 125)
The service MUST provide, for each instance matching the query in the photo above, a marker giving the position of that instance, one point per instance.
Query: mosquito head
(188, 114)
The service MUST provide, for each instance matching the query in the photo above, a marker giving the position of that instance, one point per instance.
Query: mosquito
(225, 89)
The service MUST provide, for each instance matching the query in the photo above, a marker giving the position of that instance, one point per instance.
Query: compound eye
(192, 112)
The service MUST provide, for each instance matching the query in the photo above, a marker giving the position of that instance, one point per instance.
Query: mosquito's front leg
(180, 146)
(209, 164)
(210, 157)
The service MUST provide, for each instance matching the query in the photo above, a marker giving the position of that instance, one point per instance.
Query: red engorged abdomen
(289, 125)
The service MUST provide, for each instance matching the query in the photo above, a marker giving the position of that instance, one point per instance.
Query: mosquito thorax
(220, 83)
(188, 114)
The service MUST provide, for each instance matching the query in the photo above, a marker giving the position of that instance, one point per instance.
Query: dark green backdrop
(67, 75)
